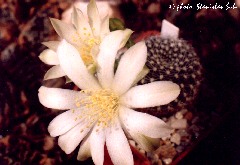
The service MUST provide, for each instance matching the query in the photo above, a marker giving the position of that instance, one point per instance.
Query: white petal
(73, 66)
(97, 141)
(53, 45)
(54, 72)
(70, 140)
(130, 65)
(58, 98)
(150, 95)
(143, 123)
(64, 122)
(106, 57)
(104, 26)
(141, 75)
(126, 35)
(81, 23)
(65, 31)
(94, 18)
(84, 150)
(144, 142)
(117, 146)
(49, 57)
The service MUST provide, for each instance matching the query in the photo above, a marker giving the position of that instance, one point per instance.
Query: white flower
(102, 112)
(104, 8)
(85, 36)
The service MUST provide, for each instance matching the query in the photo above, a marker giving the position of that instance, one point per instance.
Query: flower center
(85, 50)
(101, 106)
(88, 42)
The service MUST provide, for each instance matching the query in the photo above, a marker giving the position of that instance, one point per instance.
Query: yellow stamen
(87, 44)
(101, 107)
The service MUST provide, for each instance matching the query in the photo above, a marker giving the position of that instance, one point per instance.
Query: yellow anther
(101, 107)
(78, 104)
(86, 46)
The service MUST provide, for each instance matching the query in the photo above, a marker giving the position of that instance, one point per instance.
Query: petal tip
(53, 20)
(40, 90)
(63, 145)
(50, 130)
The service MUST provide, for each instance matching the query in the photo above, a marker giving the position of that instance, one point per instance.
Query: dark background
(221, 147)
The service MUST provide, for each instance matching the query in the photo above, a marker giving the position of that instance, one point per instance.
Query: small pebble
(167, 161)
(179, 124)
(155, 159)
(171, 119)
(182, 132)
(179, 115)
(176, 138)
(164, 138)
(166, 151)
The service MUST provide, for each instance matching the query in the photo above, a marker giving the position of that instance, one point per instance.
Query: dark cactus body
(173, 60)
